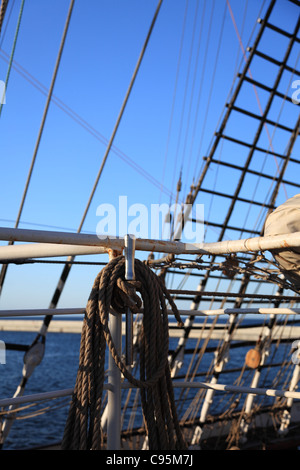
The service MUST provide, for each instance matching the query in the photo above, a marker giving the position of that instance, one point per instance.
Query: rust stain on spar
(114, 253)
(285, 244)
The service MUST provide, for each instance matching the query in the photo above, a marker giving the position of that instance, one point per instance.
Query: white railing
(194, 313)
(176, 384)
(67, 243)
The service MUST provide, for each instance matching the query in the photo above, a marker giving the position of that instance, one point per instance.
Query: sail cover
(286, 219)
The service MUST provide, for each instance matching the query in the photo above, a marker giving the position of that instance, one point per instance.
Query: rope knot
(124, 296)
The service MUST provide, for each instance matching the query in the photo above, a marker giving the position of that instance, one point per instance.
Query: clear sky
(168, 124)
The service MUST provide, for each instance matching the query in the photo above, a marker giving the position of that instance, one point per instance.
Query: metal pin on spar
(129, 251)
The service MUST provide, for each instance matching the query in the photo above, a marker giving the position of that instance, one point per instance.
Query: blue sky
(157, 136)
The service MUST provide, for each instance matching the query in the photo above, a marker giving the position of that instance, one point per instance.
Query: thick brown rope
(83, 427)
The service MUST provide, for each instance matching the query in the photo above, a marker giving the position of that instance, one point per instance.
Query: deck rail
(44, 244)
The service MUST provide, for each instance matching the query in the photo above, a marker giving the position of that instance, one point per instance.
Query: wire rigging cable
(67, 267)
(4, 267)
(39, 341)
(254, 87)
(36, 349)
(84, 124)
(184, 99)
(174, 97)
(83, 427)
(208, 104)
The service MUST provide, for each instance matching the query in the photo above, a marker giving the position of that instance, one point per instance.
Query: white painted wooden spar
(286, 241)
(115, 384)
(125, 385)
(46, 250)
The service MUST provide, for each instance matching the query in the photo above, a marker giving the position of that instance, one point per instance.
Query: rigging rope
(255, 90)
(35, 354)
(42, 125)
(3, 8)
(41, 337)
(2, 12)
(83, 427)
(85, 125)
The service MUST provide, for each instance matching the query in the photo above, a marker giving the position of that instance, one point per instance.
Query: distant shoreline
(75, 326)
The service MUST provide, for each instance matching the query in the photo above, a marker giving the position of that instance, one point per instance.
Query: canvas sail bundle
(286, 219)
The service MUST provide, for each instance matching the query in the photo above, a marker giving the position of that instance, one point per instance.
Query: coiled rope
(110, 289)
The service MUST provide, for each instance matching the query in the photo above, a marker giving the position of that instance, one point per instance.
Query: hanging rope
(2, 12)
(83, 427)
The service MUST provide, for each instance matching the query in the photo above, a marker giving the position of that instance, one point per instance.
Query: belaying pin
(129, 252)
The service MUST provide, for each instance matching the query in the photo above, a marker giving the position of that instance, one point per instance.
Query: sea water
(58, 371)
